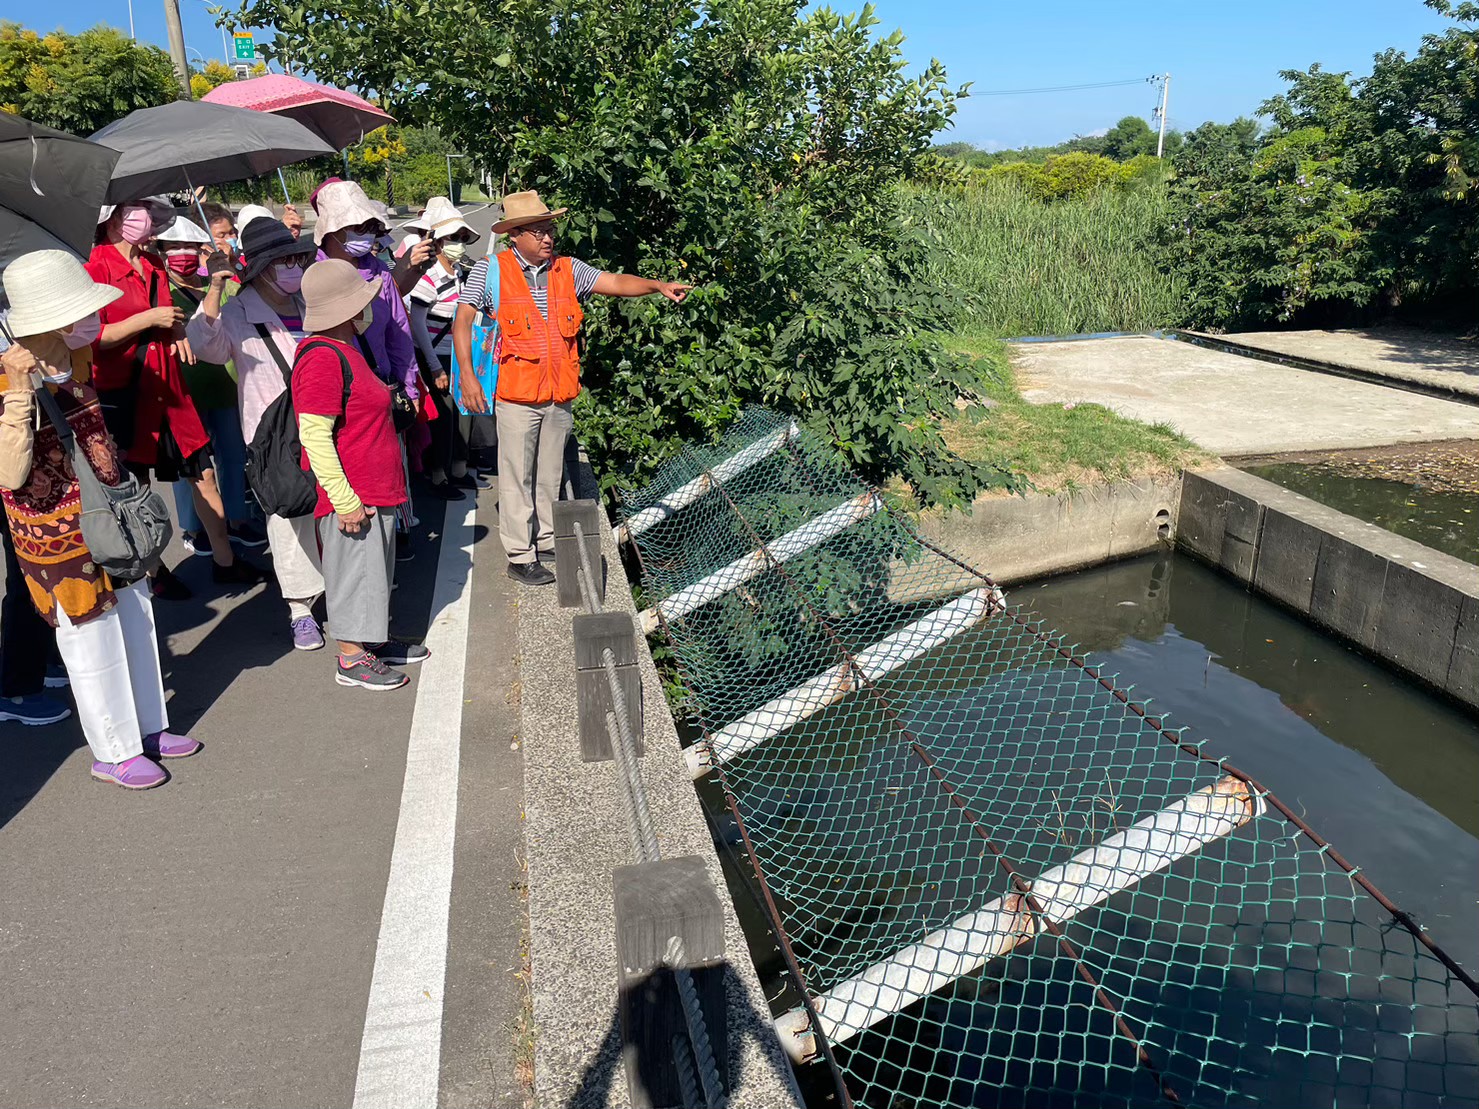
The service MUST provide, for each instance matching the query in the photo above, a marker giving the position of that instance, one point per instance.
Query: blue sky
(1224, 58)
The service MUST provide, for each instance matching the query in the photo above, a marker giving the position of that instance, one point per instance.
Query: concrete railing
(621, 862)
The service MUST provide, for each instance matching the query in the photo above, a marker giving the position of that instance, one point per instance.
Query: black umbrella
(189, 142)
(51, 186)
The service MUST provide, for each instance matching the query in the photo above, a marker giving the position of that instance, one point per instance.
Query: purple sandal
(167, 745)
(135, 773)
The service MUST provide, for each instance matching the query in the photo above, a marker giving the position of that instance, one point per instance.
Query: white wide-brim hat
(182, 230)
(334, 293)
(159, 207)
(49, 290)
(250, 212)
(344, 204)
(443, 219)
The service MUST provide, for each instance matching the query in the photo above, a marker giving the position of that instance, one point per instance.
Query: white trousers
(113, 661)
(295, 561)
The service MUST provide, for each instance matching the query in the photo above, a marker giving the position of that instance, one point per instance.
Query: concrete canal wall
(1408, 604)
(1017, 539)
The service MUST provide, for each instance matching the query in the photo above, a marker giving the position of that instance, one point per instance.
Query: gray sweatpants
(531, 461)
(359, 571)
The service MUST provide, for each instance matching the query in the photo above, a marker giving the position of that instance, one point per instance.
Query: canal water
(1384, 770)
(1445, 521)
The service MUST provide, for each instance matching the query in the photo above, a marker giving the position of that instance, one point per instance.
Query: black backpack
(274, 459)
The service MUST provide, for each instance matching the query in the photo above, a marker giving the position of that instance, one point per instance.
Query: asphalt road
(213, 942)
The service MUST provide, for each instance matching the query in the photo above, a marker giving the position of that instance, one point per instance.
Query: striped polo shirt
(474, 290)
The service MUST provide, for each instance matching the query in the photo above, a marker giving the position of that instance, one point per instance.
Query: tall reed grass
(1031, 267)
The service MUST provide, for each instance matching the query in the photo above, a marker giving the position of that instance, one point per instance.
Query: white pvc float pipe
(685, 495)
(966, 945)
(832, 685)
(782, 549)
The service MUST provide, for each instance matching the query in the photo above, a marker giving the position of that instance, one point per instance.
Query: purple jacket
(391, 348)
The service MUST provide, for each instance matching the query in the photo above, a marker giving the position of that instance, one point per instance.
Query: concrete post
(654, 903)
(594, 633)
(567, 551)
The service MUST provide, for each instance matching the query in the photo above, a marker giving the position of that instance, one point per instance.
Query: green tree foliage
(80, 83)
(1074, 176)
(744, 145)
(1358, 198)
(1130, 138)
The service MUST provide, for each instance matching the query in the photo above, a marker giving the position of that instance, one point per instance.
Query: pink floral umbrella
(338, 117)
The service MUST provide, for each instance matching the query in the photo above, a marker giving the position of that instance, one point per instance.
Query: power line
(1067, 88)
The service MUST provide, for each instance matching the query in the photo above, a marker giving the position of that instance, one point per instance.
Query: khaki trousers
(531, 462)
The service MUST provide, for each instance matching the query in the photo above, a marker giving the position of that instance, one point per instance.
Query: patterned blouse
(45, 514)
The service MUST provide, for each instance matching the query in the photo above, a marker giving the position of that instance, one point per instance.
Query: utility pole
(177, 46)
(1160, 144)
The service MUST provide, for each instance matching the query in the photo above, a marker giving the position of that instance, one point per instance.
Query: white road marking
(400, 1053)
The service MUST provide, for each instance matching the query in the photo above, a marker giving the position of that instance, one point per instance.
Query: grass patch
(1071, 266)
(1054, 446)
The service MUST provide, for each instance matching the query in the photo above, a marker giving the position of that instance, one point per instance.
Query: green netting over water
(902, 751)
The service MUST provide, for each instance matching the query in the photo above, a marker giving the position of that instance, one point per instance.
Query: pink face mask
(183, 261)
(83, 333)
(137, 224)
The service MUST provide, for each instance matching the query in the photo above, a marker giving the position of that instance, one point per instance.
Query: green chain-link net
(1252, 970)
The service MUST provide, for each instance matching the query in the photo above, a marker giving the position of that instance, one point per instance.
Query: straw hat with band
(443, 219)
(335, 293)
(522, 209)
(49, 290)
(342, 204)
(182, 230)
(264, 241)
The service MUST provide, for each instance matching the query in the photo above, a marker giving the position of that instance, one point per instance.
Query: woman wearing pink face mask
(258, 330)
(184, 246)
(137, 373)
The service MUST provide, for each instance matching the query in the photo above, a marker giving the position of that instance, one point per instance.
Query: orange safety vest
(538, 362)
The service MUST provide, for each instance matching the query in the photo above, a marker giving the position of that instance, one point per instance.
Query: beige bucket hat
(182, 230)
(443, 218)
(49, 290)
(343, 204)
(522, 209)
(334, 293)
(250, 212)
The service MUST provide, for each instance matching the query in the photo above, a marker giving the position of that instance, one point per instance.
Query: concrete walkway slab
(211, 943)
(1402, 354)
(1232, 405)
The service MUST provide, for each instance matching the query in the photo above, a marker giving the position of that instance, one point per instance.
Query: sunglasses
(539, 231)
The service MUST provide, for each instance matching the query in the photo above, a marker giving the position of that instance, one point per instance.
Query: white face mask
(83, 333)
(367, 317)
(455, 252)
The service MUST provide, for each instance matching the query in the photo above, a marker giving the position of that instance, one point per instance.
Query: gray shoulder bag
(125, 526)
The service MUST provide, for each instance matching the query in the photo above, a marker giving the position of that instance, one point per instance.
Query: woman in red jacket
(137, 376)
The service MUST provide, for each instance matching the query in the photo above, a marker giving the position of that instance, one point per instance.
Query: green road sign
(245, 50)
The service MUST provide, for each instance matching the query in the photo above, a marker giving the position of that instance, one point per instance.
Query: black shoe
(397, 653)
(530, 573)
(240, 572)
(196, 543)
(446, 490)
(468, 480)
(403, 552)
(546, 557)
(167, 587)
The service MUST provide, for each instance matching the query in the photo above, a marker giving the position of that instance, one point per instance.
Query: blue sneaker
(33, 710)
(56, 676)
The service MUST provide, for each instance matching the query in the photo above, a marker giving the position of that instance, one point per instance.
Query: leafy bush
(732, 143)
(1075, 175)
